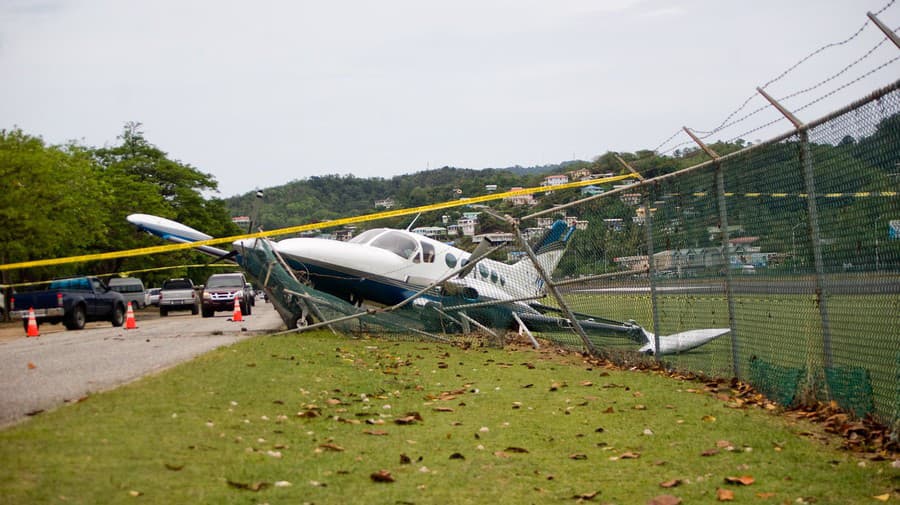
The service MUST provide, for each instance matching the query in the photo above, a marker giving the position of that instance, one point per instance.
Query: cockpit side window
(397, 243)
(427, 252)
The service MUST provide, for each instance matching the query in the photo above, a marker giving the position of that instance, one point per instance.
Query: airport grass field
(318, 418)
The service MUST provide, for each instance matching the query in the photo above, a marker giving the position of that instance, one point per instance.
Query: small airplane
(385, 267)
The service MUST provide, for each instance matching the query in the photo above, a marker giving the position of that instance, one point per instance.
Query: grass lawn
(311, 418)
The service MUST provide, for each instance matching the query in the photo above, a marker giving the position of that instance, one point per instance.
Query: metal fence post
(651, 269)
(726, 242)
(813, 214)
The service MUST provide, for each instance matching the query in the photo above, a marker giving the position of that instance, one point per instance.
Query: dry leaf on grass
(382, 476)
(252, 486)
(743, 480)
(724, 494)
(665, 499)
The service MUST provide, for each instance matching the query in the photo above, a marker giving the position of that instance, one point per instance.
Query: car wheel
(207, 313)
(76, 319)
(118, 316)
(195, 310)
(249, 309)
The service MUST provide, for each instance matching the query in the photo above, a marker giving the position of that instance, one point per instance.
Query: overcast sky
(260, 93)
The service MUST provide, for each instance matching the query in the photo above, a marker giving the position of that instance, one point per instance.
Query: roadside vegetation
(324, 419)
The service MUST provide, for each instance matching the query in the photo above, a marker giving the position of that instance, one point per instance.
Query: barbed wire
(850, 83)
(728, 123)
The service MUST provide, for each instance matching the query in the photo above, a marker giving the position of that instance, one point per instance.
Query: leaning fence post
(726, 242)
(553, 290)
(810, 183)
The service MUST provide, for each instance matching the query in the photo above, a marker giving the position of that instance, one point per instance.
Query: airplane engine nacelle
(470, 294)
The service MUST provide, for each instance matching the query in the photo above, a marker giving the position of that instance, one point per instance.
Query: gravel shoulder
(42, 373)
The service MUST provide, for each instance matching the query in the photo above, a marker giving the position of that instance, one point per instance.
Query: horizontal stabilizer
(680, 342)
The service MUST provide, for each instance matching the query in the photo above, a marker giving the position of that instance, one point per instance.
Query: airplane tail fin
(549, 250)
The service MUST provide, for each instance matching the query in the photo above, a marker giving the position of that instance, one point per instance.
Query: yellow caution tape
(143, 251)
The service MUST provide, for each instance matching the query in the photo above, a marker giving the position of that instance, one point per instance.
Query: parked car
(132, 290)
(153, 296)
(178, 294)
(72, 301)
(220, 291)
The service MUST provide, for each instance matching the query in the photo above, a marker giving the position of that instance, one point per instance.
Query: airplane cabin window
(483, 270)
(397, 243)
(450, 259)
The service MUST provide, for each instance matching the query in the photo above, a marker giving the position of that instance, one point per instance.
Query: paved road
(60, 366)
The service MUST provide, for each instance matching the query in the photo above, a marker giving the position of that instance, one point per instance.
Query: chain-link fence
(778, 264)
(792, 244)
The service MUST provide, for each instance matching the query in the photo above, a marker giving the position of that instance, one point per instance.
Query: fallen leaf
(405, 460)
(501, 454)
(882, 497)
(517, 450)
(253, 486)
(382, 476)
(578, 456)
(378, 433)
(630, 455)
(332, 447)
(665, 499)
(586, 496)
(743, 480)
(457, 455)
(135, 493)
(710, 452)
(765, 496)
(708, 419)
(174, 468)
(670, 483)
(31, 366)
(724, 494)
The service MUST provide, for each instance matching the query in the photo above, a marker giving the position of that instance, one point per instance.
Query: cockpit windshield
(397, 243)
(367, 235)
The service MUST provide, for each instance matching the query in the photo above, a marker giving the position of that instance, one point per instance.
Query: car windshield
(225, 281)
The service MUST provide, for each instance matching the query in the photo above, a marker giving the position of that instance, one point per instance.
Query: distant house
(435, 232)
(471, 215)
(631, 198)
(591, 190)
(242, 221)
(466, 226)
(580, 174)
(614, 223)
(490, 188)
(386, 203)
(343, 235)
(555, 180)
(519, 200)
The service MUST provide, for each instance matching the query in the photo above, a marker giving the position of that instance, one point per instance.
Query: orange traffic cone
(130, 323)
(32, 330)
(236, 317)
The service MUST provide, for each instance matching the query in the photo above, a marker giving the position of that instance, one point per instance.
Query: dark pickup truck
(72, 302)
